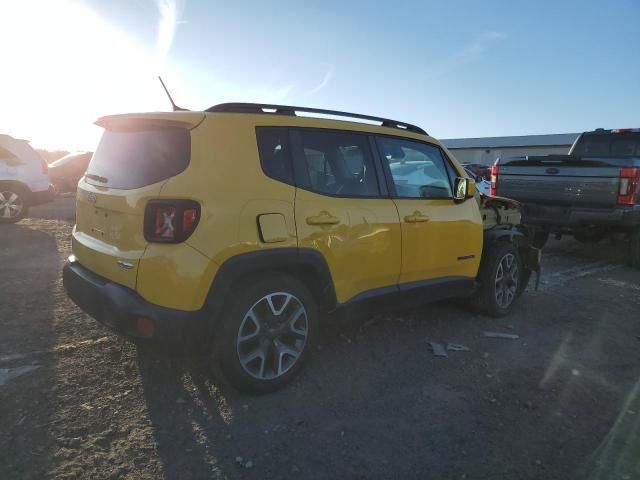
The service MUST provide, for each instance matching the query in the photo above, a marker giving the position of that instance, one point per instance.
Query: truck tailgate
(560, 181)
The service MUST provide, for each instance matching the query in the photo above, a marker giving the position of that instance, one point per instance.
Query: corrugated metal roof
(515, 141)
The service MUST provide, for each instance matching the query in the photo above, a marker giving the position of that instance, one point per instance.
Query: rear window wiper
(97, 178)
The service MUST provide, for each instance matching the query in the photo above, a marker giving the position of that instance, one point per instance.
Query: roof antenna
(175, 107)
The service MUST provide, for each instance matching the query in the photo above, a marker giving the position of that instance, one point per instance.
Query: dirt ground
(562, 401)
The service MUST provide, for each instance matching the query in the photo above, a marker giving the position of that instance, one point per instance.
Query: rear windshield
(612, 144)
(133, 159)
(70, 158)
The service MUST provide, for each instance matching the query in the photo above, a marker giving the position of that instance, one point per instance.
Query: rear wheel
(589, 235)
(500, 277)
(267, 333)
(14, 203)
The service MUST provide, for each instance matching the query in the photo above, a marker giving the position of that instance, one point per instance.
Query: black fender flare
(515, 236)
(531, 256)
(306, 264)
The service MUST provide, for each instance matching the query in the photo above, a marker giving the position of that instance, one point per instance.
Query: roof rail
(289, 110)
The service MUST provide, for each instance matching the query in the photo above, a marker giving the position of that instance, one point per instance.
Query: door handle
(323, 219)
(416, 217)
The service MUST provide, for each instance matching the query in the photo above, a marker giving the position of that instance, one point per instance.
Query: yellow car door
(342, 210)
(441, 238)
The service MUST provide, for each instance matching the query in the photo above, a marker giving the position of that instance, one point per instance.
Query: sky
(457, 68)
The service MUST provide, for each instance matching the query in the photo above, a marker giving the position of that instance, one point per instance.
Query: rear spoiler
(132, 121)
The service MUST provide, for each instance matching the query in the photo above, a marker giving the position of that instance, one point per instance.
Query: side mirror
(461, 188)
(464, 188)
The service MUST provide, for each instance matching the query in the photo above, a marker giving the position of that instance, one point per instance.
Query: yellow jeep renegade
(241, 225)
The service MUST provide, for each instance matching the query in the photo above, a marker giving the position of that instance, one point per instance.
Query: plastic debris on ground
(510, 336)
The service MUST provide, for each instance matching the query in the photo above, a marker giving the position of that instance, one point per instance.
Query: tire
(634, 254)
(589, 235)
(502, 259)
(14, 202)
(268, 330)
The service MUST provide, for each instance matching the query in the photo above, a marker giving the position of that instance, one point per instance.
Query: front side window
(418, 170)
(335, 163)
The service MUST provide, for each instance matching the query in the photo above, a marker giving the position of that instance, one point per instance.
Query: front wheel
(267, 333)
(14, 203)
(500, 276)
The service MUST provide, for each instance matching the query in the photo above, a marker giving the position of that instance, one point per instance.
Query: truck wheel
(634, 257)
(268, 329)
(14, 203)
(589, 235)
(500, 276)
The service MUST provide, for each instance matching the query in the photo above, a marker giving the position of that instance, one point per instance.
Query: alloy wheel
(11, 204)
(272, 336)
(506, 281)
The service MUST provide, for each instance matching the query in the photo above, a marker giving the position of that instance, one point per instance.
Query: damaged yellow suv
(243, 224)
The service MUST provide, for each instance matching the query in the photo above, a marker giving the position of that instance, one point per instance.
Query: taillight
(629, 192)
(45, 166)
(170, 221)
(495, 170)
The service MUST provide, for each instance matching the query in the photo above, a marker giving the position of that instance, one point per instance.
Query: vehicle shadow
(204, 428)
(189, 413)
(30, 267)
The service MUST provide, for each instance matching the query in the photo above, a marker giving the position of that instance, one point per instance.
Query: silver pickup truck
(590, 193)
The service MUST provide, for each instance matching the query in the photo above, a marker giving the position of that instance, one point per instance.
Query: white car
(24, 179)
(482, 184)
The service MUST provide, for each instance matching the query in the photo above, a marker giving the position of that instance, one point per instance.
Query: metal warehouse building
(486, 150)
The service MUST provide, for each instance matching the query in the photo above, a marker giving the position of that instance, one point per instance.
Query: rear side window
(136, 158)
(337, 164)
(275, 156)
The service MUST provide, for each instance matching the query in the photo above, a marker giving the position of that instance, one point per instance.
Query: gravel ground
(561, 401)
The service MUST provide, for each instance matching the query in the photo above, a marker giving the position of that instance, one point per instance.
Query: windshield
(67, 159)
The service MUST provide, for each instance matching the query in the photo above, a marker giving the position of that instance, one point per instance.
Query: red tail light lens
(629, 192)
(189, 219)
(495, 170)
(170, 221)
(45, 166)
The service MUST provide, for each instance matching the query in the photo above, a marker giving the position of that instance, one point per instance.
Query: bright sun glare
(64, 66)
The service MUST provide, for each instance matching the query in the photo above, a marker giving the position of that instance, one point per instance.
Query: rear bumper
(555, 216)
(45, 196)
(116, 307)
